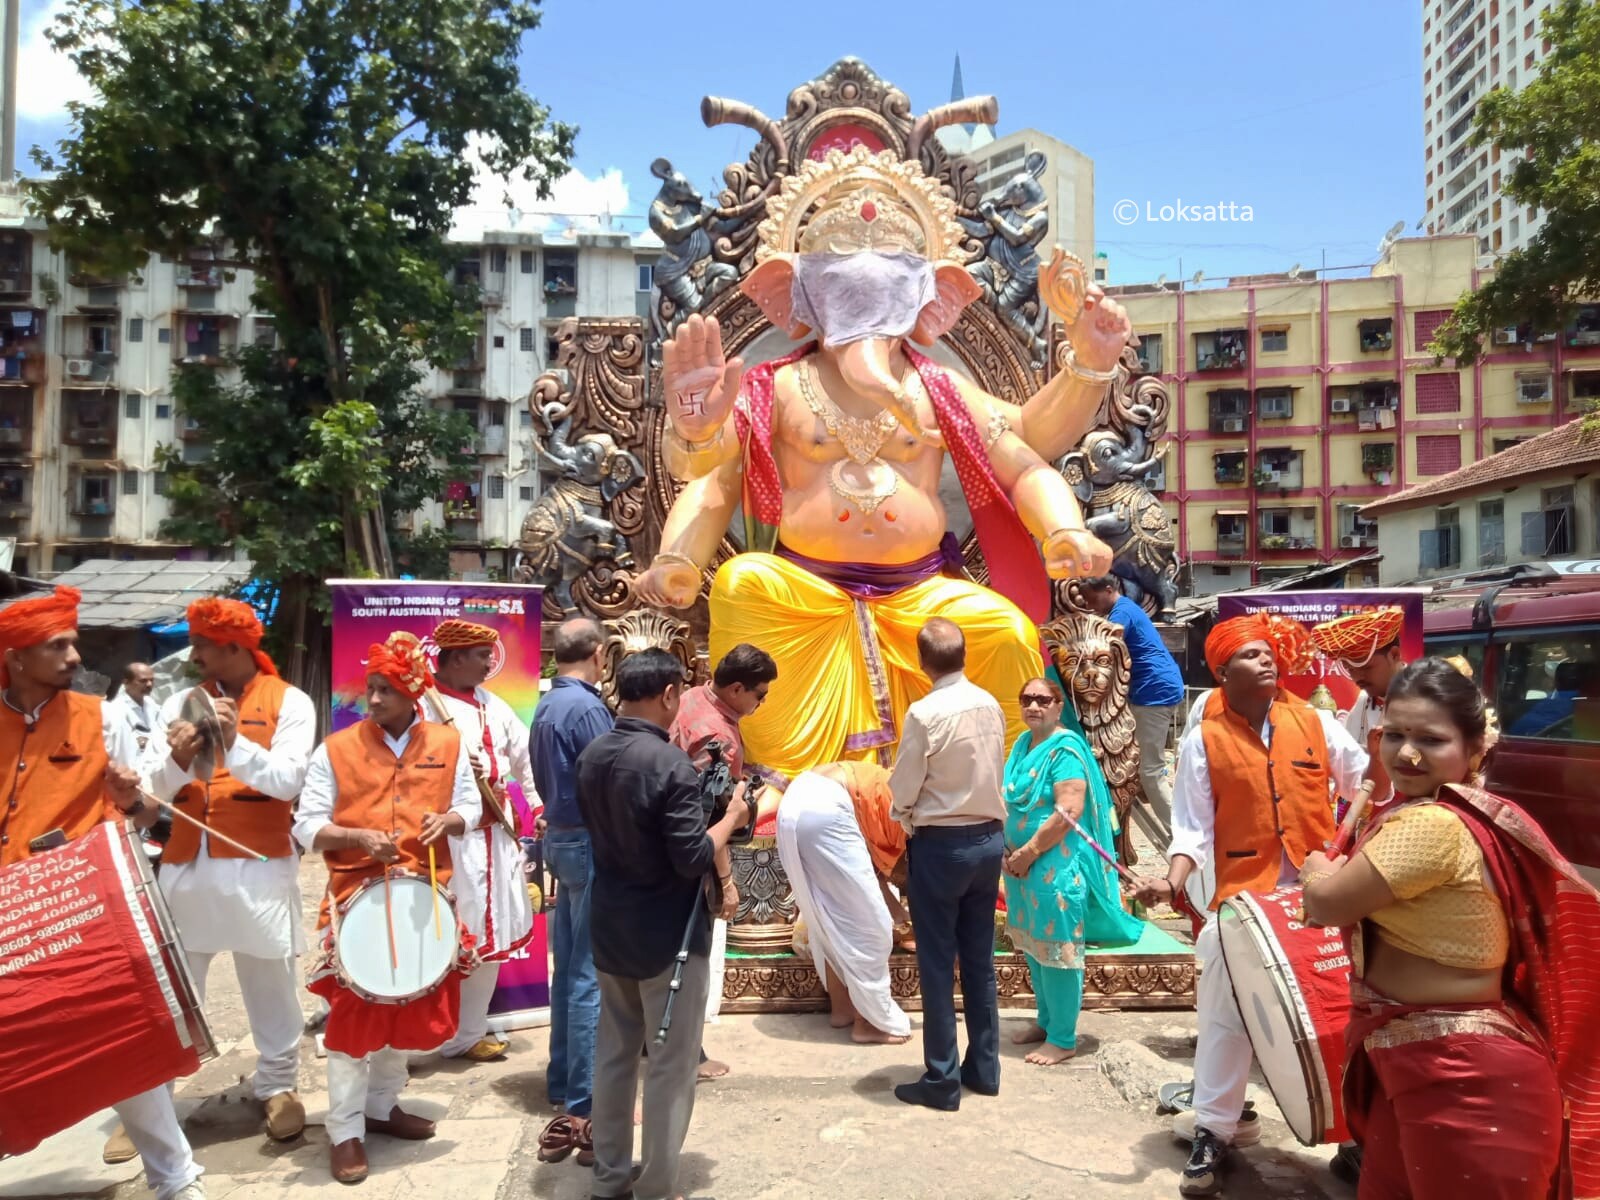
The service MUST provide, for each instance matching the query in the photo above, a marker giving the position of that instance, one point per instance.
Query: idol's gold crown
(858, 200)
(862, 217)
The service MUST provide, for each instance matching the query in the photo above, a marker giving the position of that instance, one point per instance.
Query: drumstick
(201, 825)
(1358, 809)
(433, 882)
(1098, 849)
(388, 917)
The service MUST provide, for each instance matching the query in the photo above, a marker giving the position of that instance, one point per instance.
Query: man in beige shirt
(946, 784)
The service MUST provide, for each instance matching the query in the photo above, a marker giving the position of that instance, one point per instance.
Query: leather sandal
(558, 1139)
(583, 1140)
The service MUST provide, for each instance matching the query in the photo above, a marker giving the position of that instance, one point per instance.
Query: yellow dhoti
(847, 668)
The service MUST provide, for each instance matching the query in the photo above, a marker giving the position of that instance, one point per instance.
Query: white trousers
(271, 991)
(151, 1122)
(477, 990)
(1223, 1056)
(359, 1088)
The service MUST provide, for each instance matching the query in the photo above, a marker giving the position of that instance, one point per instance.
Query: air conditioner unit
(1506, 336)
(1339, 404)
(1349, 542)
(1233, 425)
(80, 368)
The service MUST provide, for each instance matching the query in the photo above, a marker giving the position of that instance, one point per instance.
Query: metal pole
(8, 129)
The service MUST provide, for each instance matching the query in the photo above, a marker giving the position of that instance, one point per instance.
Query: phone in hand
(53, 840)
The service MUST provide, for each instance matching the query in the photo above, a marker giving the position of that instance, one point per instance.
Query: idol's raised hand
(699, 383)
(1096, 325)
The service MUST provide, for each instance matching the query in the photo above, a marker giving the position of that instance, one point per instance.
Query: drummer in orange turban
(37, 621)
(402, 661)
(227, 622)
(456, 634)
(1288, 641)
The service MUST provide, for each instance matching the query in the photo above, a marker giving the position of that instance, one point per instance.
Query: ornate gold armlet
(999, 426)
(1315, 877)
(690, 460)
(1099, 378)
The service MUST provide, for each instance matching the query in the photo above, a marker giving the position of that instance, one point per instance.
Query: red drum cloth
(89, 1015)
(356, 1026)
(1551, 987)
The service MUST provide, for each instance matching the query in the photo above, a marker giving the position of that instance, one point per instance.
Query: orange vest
(53, 774)
(1270, 803)
(232, 807)
(376, 790)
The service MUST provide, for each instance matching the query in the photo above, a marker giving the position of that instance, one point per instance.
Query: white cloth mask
(850, 297)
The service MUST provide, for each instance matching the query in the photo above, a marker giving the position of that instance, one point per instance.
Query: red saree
(1487, 1100)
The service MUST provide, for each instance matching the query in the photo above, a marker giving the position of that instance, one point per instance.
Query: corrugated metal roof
(132, 595)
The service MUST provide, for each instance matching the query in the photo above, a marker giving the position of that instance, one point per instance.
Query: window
(1377, 335)
(647, 277)
(552, 350)
(497, 260)
(135, 329)
(130, 483)
(163, 411)
(1274, 340)
(159, 483)
(164, 336)
(525, 339)
(1275, 404)
(1533, 387)
(1549, 687)
(499, 342)
(1506, 443)
(1548, 532)
(1149, 352)
(1440, 547)
(524, 418)
(1438, 454)
(131, 404)
(525, 492)
(1439, 392)
(1229, 468)
(497, 487)
(1491, 533)
(1275, 522)
(1424, 324)
(525, 262)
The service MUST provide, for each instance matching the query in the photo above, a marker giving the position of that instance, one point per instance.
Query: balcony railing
(1231, 545)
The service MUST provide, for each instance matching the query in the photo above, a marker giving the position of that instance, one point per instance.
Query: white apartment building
(87, 367)
(1469, 48)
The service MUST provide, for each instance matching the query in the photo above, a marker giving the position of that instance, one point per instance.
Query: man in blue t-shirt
(1154, 692)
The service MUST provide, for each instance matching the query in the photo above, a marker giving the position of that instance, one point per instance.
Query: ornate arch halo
(860, 171)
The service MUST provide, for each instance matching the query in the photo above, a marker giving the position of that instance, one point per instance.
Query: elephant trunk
(866, 370)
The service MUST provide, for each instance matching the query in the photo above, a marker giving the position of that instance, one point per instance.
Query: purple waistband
(872, 581)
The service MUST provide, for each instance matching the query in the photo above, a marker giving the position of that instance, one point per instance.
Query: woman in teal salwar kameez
(1060, 894)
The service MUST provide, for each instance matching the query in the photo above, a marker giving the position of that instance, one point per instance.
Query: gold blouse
(1442, 910)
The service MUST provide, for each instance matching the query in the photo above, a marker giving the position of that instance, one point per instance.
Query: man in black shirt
(640, 799)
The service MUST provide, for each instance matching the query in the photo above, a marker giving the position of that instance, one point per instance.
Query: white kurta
(240, 904)
(492, 897)
(129, 727)
(835, 887)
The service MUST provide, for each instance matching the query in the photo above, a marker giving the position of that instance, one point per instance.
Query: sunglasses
(1030, 699)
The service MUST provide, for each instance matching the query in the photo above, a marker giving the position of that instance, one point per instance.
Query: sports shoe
(119, 1147)
(190, 1191)
(1248, 1133)
(1202, 1175)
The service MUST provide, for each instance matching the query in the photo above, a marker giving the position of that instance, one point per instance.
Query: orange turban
(871, 798)
(230, 623)
(458, 635)
(402, 661)
(1357, 637)
(37, 619)
(1291, 644)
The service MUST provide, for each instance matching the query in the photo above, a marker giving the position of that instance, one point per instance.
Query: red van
(1532, 634)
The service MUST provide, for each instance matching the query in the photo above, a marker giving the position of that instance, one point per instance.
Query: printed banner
(1327, 684)
(369, 610)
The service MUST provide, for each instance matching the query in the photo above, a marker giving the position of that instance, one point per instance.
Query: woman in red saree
(1473, 1061)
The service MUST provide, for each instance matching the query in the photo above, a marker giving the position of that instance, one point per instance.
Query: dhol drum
(1292, 983)
(96, 1000)
(396, 938)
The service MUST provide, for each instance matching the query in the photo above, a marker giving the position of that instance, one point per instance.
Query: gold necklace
(862, 438)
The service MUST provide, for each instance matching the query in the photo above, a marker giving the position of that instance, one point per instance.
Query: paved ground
(805, 1114)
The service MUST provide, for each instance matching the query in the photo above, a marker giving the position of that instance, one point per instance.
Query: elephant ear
(1075, 469)
(771, 286)
(955, 289)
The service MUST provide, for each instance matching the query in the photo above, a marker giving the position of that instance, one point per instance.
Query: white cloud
(46, 80)
(577, 202)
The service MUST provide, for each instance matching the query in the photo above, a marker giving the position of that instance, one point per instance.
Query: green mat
(1154, 941)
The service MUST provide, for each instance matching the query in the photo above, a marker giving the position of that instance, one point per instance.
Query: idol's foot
(1027, 1037)
(868, 1034)
(1049, 1055)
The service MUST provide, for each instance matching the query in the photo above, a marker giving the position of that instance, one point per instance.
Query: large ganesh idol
(835, 452)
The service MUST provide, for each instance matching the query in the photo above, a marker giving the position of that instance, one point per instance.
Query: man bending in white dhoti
(839, 845)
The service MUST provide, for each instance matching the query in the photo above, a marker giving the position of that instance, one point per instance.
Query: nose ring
(1410, 756)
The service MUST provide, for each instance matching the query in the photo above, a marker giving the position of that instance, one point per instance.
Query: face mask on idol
(850, 297)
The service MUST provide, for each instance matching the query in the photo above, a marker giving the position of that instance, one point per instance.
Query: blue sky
(1309, 113)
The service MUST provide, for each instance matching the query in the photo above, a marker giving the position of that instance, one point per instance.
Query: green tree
(324, 145)
(1553, 124)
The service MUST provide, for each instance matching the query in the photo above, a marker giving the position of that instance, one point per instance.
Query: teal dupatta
(1070, 896)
